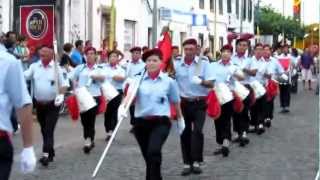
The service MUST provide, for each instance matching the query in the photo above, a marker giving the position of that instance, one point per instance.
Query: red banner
(285, 63)
(37, 24)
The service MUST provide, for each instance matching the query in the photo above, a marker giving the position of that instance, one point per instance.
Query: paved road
(288, 151)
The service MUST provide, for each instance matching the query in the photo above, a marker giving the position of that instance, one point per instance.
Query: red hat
(145, 48)
(190, 41)
(227, 47)
(246, 36)
(151, 52)
(136, 48)
(90, 49)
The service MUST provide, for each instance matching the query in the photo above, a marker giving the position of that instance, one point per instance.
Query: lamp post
(154, 23)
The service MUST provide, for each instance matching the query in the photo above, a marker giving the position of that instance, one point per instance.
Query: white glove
(59, 100)
(181, 125)
(284, 77)
(196, 80)
(178, 126)
(122, 112)
(28, 160)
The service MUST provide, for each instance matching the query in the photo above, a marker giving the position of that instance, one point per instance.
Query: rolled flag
(173, 112)
(272, 89)
(73, 107)
(237, 103)
(165, 47)
(102, 106)
(213, 108)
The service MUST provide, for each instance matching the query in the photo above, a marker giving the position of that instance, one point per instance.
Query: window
(201, 39)
(211, 43)
(237, 8)
(220, 42)
(129, 34)
(244, 10)
(201, 4)
(221, 7)
(212, 5)
(250, 10)
(229, 6)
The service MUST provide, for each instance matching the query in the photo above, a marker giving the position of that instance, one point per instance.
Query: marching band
(245, 87)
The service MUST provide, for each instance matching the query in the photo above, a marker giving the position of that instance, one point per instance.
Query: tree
(272, 23)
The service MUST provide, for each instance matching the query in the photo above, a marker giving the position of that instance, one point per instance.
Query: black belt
(194, 99)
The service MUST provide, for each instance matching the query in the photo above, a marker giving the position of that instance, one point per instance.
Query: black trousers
(6, 158)
(111, 114)
(14, 120)
(294, 84)
(192, 138)
(269, 109)
(151, 135)
(223, 123)
(47, 115)
(285, 95)
(241, 120)
(88, 121)
(258, 111)
(132, 118)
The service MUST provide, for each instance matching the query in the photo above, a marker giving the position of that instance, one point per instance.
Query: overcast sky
(309, 13)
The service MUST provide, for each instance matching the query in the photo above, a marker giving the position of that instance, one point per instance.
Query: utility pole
(241, 15)
(112, 24)
(283, 7)
(154, 23)
(215, 30)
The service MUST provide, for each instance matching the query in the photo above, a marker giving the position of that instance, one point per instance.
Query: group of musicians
(234, 77)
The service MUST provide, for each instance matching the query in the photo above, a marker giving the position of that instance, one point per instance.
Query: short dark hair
(9, 33)
(67, 47)
(238, 41)
(78, 43)
(113, 52)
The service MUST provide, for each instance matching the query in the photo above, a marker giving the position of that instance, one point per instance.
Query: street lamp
(312, 34)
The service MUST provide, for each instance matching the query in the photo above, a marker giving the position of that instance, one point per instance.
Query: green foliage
(273, 23)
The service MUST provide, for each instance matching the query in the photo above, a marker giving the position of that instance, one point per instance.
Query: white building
(90, 20)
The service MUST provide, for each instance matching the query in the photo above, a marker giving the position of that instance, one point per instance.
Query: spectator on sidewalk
(306, 63)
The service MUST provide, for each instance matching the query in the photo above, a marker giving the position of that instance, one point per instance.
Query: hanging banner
(37, 24)
(296, 9)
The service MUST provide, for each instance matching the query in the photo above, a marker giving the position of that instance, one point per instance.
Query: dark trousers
(258, 111)
(241, 120)
(223, 123)
(269, 109)
(14, 120)
(47, 115)
(131, 111)
(192, 138)
(88, 121)
(294, 84)
(151, 135)
(284, 95)
(111, 114)
(6, 158)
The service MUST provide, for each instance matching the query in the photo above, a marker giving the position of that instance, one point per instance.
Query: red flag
(165, 46)
(73, 107)
(173, 111)
(102, 107)
(272, 89)
(237, 103)
(214, 108)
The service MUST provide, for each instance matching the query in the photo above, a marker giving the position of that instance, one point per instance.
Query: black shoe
(51, 158)
(243, 141)
(196, 170)
(268, 123)
(108, 138)
(132, 130)
(225, 151)
(260, 131)
(44, 161)
(87, 149)
(186, 171)
(236, 140)
(217, 152)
